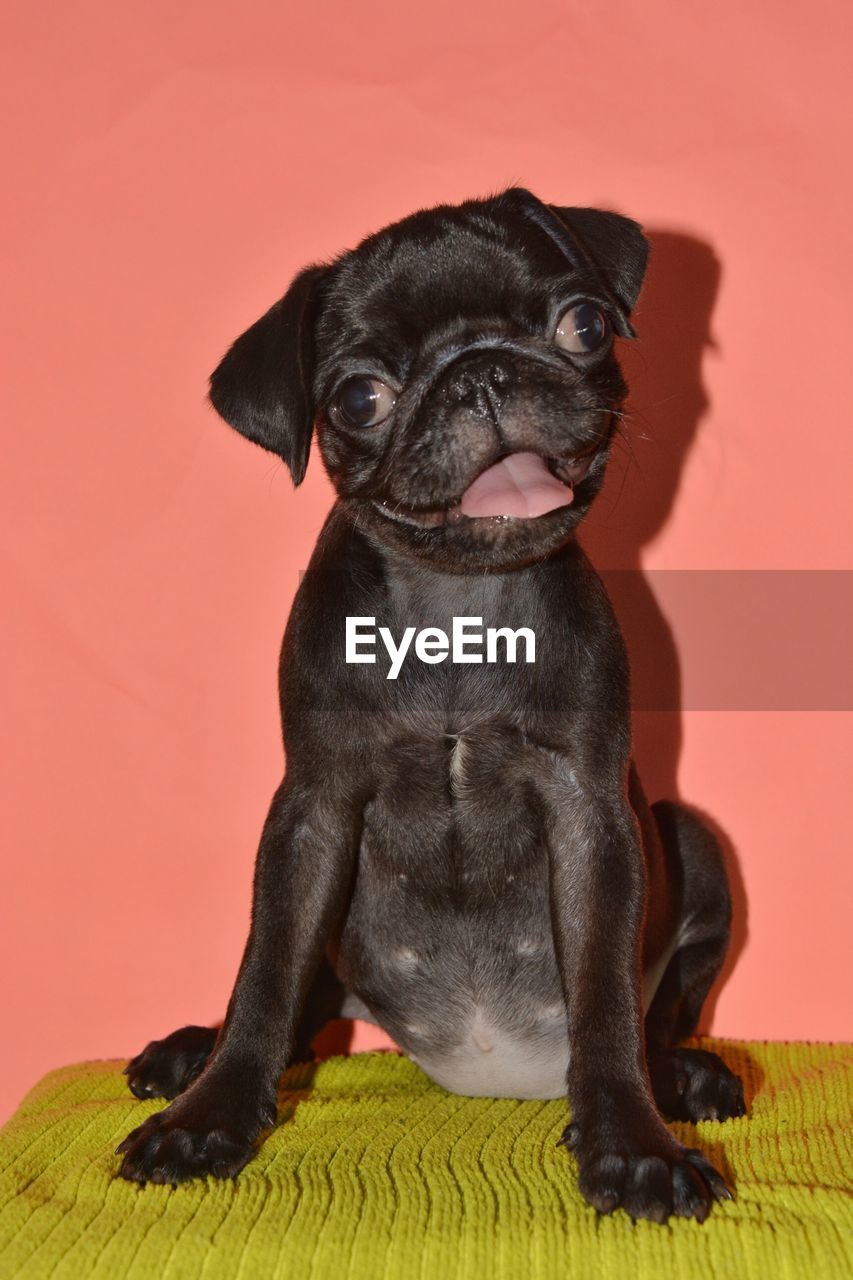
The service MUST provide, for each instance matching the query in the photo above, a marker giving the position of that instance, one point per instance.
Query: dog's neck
(425, 595)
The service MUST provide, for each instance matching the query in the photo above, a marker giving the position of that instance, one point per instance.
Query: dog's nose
(480, 381)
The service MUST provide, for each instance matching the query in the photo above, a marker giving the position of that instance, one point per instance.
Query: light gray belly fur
(501, 1034)
(489, 1061)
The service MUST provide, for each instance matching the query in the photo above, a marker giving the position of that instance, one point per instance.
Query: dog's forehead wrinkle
(463, 271)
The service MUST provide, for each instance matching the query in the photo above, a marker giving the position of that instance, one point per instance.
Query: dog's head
(459, 368)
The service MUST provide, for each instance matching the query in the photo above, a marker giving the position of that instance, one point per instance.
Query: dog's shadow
(667, 404)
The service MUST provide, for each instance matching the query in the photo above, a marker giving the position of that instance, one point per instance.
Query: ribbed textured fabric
(377, 1173)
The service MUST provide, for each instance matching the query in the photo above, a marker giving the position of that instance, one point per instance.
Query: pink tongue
(519, 485)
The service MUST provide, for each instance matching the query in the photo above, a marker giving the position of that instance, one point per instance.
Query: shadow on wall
(665, 410)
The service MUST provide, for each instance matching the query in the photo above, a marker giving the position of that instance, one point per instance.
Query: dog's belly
(490, 1021)
(489, 1060)
(448, 942)
(485, 1057)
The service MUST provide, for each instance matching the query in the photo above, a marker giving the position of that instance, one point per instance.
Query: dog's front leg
(302, 881)
(626, 1156)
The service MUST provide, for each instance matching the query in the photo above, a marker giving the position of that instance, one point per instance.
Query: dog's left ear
(612, 244)
(262, 386)
(618, 249)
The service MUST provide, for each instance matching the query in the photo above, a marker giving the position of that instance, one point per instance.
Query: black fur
(462, 810)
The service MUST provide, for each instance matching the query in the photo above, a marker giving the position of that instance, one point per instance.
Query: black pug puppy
(462, 853)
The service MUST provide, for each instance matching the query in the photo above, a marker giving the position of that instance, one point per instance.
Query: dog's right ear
(262, 386)
(613, 245)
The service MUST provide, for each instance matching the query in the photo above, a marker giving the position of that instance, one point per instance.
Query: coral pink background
(169, 167)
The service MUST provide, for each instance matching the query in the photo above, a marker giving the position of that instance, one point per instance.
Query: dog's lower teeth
(425, 519)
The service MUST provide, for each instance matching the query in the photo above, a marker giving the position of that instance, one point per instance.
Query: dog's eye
(582, 328)
(363, 402)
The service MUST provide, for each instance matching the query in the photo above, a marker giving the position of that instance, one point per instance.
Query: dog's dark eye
(363, 402)
(582, 328)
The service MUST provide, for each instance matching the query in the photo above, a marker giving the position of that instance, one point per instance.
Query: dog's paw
(654, 1179)
(167, 1067)
(653, 1186)
(194, 1138)
(693, 1084)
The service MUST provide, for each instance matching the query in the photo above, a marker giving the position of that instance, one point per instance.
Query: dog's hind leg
(691, 1084)
(325, 1000)
(167, 1067)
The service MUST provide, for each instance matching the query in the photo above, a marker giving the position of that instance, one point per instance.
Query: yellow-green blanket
(377, 1173)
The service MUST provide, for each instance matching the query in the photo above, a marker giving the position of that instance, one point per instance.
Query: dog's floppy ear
(262, 386)
(613, 244)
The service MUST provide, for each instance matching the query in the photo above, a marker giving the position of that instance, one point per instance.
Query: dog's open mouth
(520, 486)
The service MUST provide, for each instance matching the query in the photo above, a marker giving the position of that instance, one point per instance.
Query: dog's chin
(456, 542)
